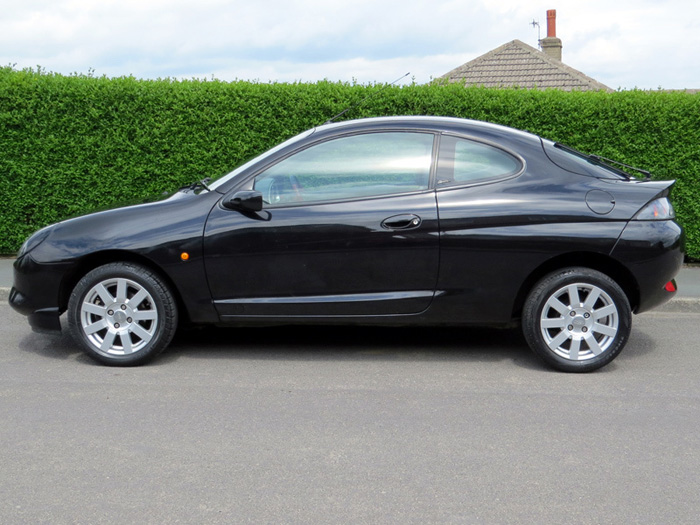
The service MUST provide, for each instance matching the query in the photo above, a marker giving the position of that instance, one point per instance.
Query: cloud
(625, 43)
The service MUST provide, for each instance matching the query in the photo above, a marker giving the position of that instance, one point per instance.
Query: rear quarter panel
(493, 237)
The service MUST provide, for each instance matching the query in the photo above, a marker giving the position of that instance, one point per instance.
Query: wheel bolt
(586, 315)
(570, 327)
(111, 312)
(573, 314)
(123, 307)
(584, 329)
(128, 319)
(116, 325)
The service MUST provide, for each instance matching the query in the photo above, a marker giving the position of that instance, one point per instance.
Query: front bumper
(36, 293)
(41, 320)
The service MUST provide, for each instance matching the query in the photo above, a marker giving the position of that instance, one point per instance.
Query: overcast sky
(622, 43)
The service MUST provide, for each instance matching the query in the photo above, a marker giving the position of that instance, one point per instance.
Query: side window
(349, 167)
(464, 161)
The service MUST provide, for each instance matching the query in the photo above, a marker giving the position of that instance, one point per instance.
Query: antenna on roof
(330, 120)
(536, 24)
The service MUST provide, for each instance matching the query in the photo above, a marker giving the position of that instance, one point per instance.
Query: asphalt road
(350, 425)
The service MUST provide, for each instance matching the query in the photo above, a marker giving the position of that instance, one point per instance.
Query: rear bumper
(653, 251)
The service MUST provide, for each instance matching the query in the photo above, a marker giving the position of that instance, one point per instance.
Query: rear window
(577, 162)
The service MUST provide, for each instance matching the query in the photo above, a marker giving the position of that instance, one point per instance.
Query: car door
(349, 228)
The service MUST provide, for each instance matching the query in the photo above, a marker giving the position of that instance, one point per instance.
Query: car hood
(143, 228)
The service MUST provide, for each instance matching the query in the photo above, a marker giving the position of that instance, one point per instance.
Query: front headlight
(657, 210)
(34, 240)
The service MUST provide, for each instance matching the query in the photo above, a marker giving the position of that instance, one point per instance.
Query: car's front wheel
(577, 319)
(122, 314)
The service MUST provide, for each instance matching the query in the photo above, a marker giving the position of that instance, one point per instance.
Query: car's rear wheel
(577, 319)
(122, 314)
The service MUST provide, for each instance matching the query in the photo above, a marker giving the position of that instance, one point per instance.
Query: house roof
(517, 64)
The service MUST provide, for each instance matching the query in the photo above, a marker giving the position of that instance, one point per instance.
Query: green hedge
(70, 144)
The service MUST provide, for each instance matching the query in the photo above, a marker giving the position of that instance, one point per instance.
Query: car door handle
(406, 221)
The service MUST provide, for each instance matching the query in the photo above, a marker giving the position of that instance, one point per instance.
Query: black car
(392, 221)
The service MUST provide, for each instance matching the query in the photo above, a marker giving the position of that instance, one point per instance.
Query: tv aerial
(536, 24)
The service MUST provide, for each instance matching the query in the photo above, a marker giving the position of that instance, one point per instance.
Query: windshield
(240, 169)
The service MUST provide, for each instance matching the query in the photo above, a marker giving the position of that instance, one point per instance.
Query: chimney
(551, 45)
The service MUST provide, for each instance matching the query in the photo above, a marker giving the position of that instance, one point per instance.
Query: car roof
(477, 128)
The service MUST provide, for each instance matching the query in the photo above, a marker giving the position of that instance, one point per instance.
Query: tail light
(657, 210)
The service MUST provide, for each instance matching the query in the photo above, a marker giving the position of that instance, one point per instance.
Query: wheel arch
(595, 261)
(95, 260)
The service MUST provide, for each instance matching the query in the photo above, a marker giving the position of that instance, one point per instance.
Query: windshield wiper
(606, 163)
(609, 163)
(199, 185)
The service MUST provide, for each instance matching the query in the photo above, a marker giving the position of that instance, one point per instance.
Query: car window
(581, 163)
(349, 167)
(240, 169)
(464, 161)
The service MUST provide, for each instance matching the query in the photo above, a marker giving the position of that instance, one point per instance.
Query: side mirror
(248, 200)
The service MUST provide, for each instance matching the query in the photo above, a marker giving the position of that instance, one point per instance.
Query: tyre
(577, 319)
(122, 314)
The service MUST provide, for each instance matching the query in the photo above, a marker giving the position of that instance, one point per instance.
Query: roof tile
(517, 64)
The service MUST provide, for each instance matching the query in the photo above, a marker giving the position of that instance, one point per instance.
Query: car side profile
(385, 221)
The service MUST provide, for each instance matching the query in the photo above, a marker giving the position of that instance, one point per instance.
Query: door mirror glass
(244, 201)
